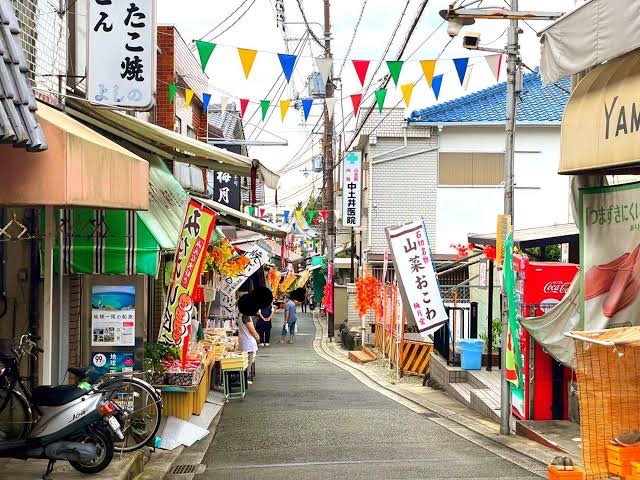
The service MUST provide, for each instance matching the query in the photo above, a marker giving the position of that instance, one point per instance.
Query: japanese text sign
(226, 189)
(176, 317)
(412, 258)
(121, 61)
(258, 256)
(503, 229)
(352, 189)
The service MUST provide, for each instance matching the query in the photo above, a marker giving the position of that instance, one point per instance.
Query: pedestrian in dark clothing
(263, 324)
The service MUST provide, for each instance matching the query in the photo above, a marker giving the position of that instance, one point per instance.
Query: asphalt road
(304, 418)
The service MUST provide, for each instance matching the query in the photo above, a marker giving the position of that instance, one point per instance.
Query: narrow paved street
(305, 418)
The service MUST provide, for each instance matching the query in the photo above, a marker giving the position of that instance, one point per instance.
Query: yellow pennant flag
(188, 96)
(407, 90)
(247, 58)
(428, 67)
(284, 108)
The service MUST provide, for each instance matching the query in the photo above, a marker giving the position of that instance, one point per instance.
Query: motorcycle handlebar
(38, 349)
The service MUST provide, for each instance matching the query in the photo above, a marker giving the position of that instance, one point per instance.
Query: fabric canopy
(595, 32)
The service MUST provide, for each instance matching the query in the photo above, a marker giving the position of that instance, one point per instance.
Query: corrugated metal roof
(18, 124)
(533, 237)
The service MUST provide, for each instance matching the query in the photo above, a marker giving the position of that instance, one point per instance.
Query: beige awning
(81, 168)
(601, 124)
(169, 144)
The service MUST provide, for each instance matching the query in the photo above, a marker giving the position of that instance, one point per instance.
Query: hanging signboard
(226, 189)
(113, 315)
(197, 227)
(121, 62)
(329, 299)
(352, 191)
(258, 256)
(503, 229)
(412, 260)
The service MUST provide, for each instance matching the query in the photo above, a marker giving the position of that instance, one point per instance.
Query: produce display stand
(234, 364)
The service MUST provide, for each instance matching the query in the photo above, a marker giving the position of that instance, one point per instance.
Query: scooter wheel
(104, 451)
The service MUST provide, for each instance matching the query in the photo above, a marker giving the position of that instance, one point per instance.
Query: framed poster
(112, 362)
(113, 315)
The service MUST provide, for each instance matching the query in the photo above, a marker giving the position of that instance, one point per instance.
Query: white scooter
(66, 422)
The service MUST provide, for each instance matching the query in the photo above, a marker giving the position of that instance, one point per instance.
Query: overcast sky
(256, 29)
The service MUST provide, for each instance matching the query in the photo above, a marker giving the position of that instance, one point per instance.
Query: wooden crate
(618, 455)
(576, 474)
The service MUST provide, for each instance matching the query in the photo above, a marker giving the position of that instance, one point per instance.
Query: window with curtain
(470, 169)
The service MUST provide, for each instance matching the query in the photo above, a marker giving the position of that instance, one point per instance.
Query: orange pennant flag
(428, 68)
(247, 57)
(284, 108)
(407, 90)
(188, 96)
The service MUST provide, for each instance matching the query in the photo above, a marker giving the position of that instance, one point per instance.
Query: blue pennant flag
(287, 62)
(294, 226)
(206, 98)
(306, 107)
(461, 67)
(436, 84)
(286, 215)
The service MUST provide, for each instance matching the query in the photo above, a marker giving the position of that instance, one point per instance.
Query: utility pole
(330, 226)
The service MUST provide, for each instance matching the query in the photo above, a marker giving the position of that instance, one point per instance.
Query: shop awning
(601, 124)
(532, 237)
(169, 144)
(81, 168)
(595, 32)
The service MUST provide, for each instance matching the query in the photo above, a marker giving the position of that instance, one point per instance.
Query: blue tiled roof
(539, 103)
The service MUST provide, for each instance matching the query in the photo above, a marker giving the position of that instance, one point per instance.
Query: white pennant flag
(224, 101)
(331, 105)
(324, 67)
(467, 76)
(495, 63)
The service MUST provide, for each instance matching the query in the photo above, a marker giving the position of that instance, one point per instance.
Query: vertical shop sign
(113, 315)
(258, 256)
(352, 192)
(503, 229)
(226, 189)
(197, 227)
(329, 299)
(412, 260)
(121, 62)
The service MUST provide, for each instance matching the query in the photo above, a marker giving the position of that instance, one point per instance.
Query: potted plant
(155, 354)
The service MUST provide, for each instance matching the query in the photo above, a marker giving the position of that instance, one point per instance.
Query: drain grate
(431, 415)
(185, 469)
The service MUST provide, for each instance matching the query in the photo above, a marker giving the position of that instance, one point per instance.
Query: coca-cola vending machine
(544, 393)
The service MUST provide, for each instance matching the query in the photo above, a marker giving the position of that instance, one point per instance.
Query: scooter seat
(48, 396)
(78, 372)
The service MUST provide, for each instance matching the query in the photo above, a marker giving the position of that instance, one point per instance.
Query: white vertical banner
(121, 64)
(352, 189)
(258, 256)
(416, 271)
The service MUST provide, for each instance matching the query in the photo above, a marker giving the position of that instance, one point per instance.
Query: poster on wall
(610, 263)
(112, 362)
(351, 200)
(412, 260)
(113, 315)
(197, 227)
(258, 256)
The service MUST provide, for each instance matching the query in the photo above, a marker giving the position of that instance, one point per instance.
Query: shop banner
(113, 315)
(329, 299)
(258, 256)
(502, 230)
(409, 245)
(351, 198)
(610, 258)
(121, 57)
(197, 227)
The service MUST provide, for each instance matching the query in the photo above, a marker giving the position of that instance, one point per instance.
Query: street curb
(133, 467)
(520, 445)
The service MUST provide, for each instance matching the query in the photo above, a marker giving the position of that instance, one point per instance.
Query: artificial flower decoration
(367, 290)
(490, 252)
(222, 258)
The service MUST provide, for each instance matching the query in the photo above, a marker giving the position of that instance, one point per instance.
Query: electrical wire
(235, 22)
(304, 18)
(353, 37)
(224, 20)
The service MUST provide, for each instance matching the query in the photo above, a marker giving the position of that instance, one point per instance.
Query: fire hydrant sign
(122, 55)
(258, 256)
(352, 191)
(412, 259)
(197, 227)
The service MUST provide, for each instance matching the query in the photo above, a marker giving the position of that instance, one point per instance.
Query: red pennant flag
(243, 106)
(356, 98)
(323, 214)
(261, 212)
(361, 66)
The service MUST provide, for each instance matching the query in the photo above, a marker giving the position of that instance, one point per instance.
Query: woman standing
(265, 315)
(248, 339)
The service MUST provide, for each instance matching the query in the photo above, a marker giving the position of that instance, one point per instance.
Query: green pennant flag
(395, 67)
(310, 215)
(252, 210)
(205, 49)
(172, 92)
(380, 96)
(264, 105)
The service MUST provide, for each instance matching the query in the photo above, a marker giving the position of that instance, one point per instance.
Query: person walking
(263, 325)
(304, 304)
(248, 339)
(290, 319)
(308, 294)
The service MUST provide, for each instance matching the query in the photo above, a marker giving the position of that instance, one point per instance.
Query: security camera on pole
(458, 18)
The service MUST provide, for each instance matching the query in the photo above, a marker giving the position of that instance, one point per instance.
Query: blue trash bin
(471, 353)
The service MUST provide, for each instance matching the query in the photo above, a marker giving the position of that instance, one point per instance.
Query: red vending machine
(544, 393)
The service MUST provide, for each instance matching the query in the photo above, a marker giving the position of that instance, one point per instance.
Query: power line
(224, 20)
(304, 18)
(235, 22)
(353, 37)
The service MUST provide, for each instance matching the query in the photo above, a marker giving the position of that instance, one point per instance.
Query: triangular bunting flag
(306, 107)
(361, 67)
(206, 98)
(284, 108)
(262, 212)
(224, 101)
(331, 105)
(247, 57)
(356, 98)
(243, 106)
(172, 92)
(286, 215)
(407, 90)
(310, 215)
(205, 49)
(494, 62)
(323, 214)
(461, 67)
(264, 106)
(395, 67)
(437, 83)
(188, 96)
(324, 67)
(287, 62)
(380, 96)
(428, 68)
(465, 84)
(252, 210)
